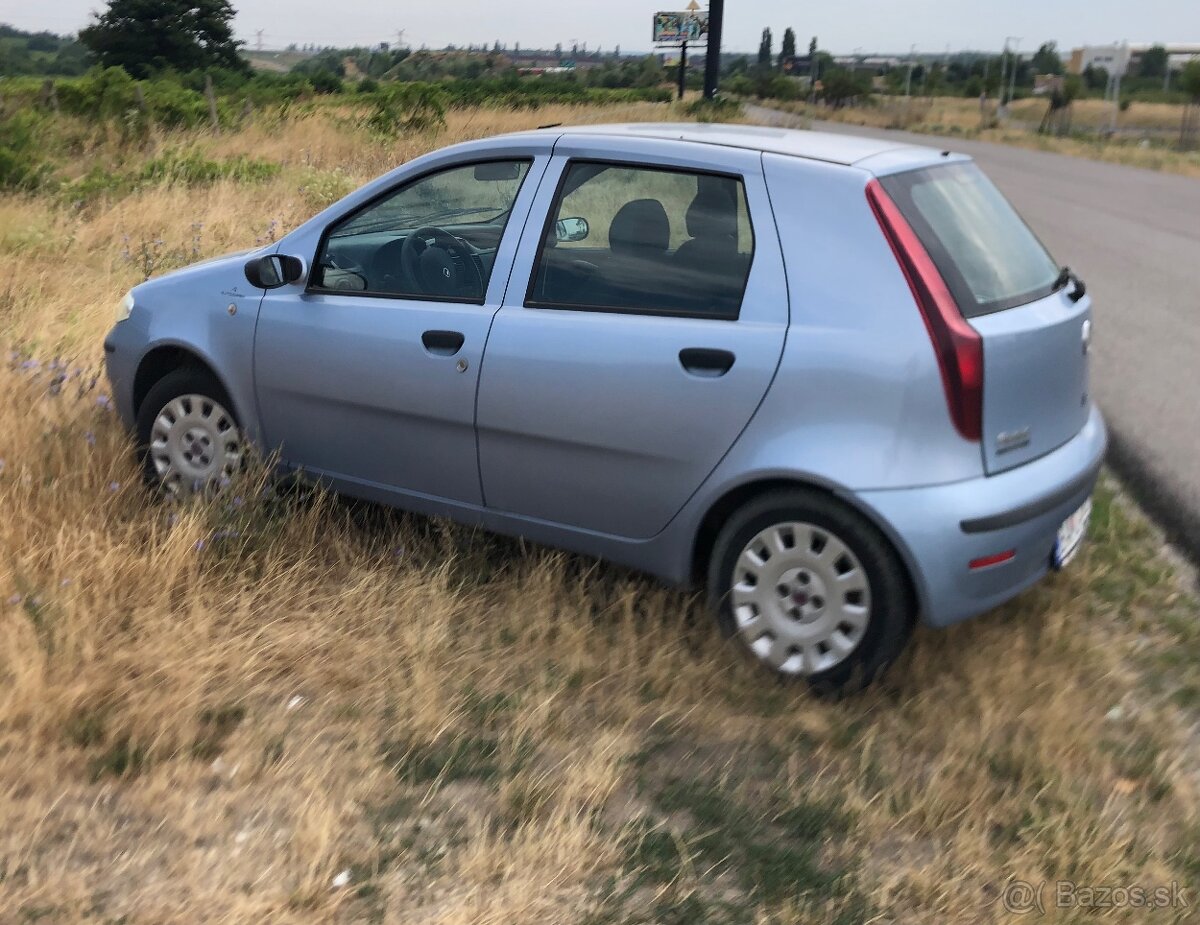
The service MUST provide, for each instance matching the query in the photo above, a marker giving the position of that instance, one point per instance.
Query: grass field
(267, 708)
(1149, 132)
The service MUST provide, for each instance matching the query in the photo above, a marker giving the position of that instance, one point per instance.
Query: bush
(110, 93)
(741, 85)
(102, 93)
(174, 106)
(715, 110)
(842, 86)
(325, 82)
(193, 169)
(21, 164)
(183, 168)
(413, 107)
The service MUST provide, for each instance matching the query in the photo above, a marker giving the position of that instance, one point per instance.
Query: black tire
(187, 380)
(893, 606)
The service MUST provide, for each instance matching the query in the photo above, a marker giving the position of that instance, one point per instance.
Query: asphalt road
(1133, 235)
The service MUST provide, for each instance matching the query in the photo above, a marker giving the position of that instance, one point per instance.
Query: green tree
(143, 36)
(1189, 80)
(1095, 78)
(788, 48)
(1189, 83)
(764, 49)
(1046, 59)
(1154, 62)
(1058, 114)
(841, 86)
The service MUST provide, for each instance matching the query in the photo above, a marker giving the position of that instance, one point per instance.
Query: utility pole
(682, 67)
(258, 42)
(1016, 60)
(908, 79)
(712, 63)
(1003, 74)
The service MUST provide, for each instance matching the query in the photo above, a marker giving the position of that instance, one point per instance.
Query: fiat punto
(838, 381)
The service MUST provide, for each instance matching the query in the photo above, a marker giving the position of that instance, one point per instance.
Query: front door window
(433, 238)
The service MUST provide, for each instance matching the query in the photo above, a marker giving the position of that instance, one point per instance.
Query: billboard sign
(683, 26)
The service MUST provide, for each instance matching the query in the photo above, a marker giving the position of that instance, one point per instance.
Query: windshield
(988, 256)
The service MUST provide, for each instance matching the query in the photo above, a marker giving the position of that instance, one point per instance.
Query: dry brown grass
(209, 713)
(954, 116)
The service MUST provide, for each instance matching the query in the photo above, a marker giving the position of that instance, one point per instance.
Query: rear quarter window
(988, 256)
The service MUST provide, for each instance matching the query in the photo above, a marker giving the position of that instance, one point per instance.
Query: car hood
(223, 274)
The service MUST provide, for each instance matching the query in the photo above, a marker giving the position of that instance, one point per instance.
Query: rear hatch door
(1029, 313)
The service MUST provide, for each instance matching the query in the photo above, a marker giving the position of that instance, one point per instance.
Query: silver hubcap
(194, 442)
(801, 600)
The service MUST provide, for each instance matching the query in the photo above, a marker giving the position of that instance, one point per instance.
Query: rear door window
(645, 240)
(988, 256)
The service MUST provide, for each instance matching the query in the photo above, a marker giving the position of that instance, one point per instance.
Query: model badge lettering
(1012, 440)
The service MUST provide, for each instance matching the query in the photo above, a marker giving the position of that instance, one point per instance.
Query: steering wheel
(440, 264)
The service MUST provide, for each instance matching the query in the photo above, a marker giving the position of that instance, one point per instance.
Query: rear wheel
(811, 589)
(189, 438)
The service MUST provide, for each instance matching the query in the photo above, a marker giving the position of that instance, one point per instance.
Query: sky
(841, 25)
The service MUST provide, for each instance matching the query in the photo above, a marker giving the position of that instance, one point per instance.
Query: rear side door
(1034, 323)
(624, 363)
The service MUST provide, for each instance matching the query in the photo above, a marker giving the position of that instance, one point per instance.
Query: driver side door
(366, 373)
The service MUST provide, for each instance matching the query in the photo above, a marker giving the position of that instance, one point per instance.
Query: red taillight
(958, 347)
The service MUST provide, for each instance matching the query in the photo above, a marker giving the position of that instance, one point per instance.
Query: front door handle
(705, 362)
(442, 343)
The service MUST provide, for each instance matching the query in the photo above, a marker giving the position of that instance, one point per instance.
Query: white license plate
(1071, 534)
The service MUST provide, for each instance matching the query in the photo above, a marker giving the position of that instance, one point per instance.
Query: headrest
(640, 225)
(712, 214)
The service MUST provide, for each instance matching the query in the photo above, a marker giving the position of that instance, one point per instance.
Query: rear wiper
(1066, 276)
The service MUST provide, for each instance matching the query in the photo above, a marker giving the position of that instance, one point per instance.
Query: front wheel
(811, 589)
(189, 438)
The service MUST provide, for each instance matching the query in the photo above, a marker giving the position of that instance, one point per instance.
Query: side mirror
(571, 229)
(274, 270)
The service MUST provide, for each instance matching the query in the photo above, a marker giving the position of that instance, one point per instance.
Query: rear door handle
(705, 362)
(442, 343)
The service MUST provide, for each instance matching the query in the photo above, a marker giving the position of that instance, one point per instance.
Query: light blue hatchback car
(838, 380)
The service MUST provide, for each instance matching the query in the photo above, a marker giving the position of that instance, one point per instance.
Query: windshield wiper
(1066, 276)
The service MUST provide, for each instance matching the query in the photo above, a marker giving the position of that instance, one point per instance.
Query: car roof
(848, 150)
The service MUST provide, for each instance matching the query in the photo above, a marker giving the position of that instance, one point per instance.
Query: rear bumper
(942, 529)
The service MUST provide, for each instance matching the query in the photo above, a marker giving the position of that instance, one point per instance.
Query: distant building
(1121, 59)
(801, 65)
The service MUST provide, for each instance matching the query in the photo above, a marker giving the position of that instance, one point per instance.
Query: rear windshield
(985, 252)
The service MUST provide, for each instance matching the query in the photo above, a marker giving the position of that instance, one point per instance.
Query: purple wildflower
(15, 599)
(90, 438)
(199, 545)
(103, 401)
(114, 486)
